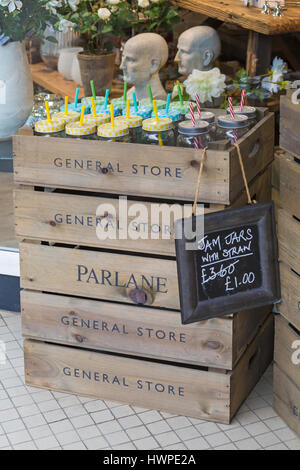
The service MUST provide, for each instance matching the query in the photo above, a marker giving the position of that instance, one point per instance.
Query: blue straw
(168, 102)
(106, 99)
(135, 102)
(76, 97)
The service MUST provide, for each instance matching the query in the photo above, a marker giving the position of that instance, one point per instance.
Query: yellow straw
(93, 107)
(66, 105)
(48, 111)
(112, 118)
(82, 115)
(160, 141)
(155, 110)
(128, 109)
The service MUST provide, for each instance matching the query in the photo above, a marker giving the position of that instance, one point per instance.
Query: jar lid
(77, 109)
(120, 101)
(147, 102)
(163, 124)
(171, 114)
(143, 111)
(56, 125)
(186, 127)
(72, 116)
(131, 122)
(75, 128)
(207, 116)
(182, 108)
(98, 120)
(239, 121)
(249, 111)
(119, 130)
(102, 110)
(87, 100)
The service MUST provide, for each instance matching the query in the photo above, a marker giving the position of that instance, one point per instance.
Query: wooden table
(261, 27)
(53, 81)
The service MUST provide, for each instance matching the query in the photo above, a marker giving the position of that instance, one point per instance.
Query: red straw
(192, 114)
(198, 105)
(231, 108)
(196, 143)
(242, 100)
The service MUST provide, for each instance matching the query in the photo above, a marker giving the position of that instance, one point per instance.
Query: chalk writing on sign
(228, 262)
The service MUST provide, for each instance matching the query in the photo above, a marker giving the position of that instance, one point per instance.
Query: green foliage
(31, 20)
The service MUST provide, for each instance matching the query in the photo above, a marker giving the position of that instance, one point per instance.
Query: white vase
(16, 95)
(65, 61)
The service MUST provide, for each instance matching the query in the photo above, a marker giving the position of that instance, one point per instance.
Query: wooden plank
(290, 122)
(289, 239)
(233, 11)
(134, 330)
(287, 399)
(108, 276)
(68, 218)
(212, 396)
(289, 307)
(7, 229)
(143, 170)
(290, 183)
(53, 81)
(286, 350)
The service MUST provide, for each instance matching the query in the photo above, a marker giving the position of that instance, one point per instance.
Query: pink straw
(242, 100)
(198, 105)
(231, 108)
(192, 114)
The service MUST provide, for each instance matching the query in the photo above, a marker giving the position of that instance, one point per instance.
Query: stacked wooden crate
(101, 317)
(287, 335)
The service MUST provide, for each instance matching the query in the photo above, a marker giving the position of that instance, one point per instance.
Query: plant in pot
(18, 20)
(98, 23)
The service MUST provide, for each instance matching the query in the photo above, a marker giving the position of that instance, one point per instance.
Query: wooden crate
(289, 306)
(290, 122)
(199, 393)
(139, 331)
(290, 183)
(287, 373)
(144, 170)
(72, 218)
(289, 239)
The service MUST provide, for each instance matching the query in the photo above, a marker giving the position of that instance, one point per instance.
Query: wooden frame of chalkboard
(232, 267)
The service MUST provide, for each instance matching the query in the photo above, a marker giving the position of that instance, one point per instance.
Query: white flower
(143, 3)
(104, 13)
(12, 4)
(271, 83)
(208, 84)
(73, 4)
(52, 5)
(113, 2)
(65, 25)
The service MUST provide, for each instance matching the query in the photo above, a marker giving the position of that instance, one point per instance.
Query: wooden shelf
(53, 81)
(233, 11)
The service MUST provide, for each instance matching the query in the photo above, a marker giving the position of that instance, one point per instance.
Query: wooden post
(258, 53)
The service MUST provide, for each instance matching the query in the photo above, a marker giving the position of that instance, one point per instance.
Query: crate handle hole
(254, 358)
(254, 149)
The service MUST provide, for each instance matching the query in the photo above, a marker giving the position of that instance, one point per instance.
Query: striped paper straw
(242, 100)
(192, 114)
(196, 143)
(231, 108)
(198, 105)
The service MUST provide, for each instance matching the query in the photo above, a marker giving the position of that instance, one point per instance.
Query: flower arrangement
(97, 21)
(207, 84)
(19, 19)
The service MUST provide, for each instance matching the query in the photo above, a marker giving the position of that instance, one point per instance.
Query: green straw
(180, 95)
(168, 102)
(93, 89)
(76, 97)
(150, 93)
(125, 91)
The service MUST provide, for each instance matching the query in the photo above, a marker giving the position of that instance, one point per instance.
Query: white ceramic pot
(16, 88)
(65, 61)
(75, 73)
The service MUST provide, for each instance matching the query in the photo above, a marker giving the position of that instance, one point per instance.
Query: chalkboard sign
(232, 266)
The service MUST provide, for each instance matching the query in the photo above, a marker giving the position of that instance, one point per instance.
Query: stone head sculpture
(143, 56)
(198, 48)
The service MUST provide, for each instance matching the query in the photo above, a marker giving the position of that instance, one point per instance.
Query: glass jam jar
(117, 133)
(55, 128)
(76, 130)
(97, 120)
(160, 132)
(134, 124)
(232, 129)
(71, 116)
(193, 136)
(249, 111)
